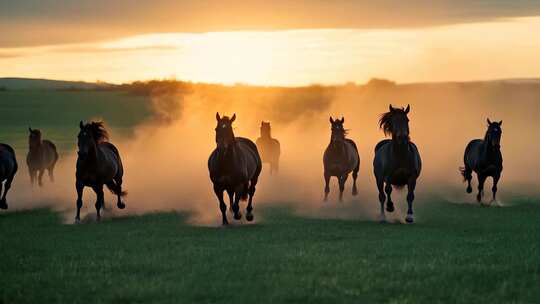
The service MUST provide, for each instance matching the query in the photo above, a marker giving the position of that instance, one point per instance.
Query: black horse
(42, 155)
(340, 158)
(397, 161)
(8, 168)
(269, 147)
(234, 167)
(485, 158)
(98, 164)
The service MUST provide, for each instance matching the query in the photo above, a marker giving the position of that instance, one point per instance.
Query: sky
(278, 42)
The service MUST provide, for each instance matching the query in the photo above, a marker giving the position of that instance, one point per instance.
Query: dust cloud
(166, 160)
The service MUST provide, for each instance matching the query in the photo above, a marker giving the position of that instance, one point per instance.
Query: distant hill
(46, 84)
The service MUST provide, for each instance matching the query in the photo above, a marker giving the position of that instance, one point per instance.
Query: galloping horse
(8, 168)
(42, 155)
(485, 158)
(98, 164)
(234, 167)
(397, 161)
(340, 158)
(269, 147)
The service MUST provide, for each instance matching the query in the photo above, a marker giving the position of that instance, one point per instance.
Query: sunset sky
(270, 42)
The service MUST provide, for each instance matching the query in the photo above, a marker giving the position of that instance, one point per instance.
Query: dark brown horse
(98, 164)
(485, 158)
(8, 168)
(42, 155)
(397, 161)
(269, 147)
(340, 158)
(234, 167)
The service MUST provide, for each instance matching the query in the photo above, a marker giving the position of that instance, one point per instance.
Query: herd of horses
(236, 163)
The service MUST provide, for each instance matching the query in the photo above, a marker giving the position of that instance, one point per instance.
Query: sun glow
(294, 57)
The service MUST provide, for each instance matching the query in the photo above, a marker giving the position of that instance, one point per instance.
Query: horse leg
(249, 209)
(40, 177)
(119, 203)
(494, 188)
(467, 174)
(222, 205)
(32, 176)
(79, 186)
(327, 185)
(481, 180)
(342, 180)
(230, 192)
(355, 176)
(237, 215)
(382, 198)
(388, 190)
(50, 170)
(410, 198)
(3, 204)
(99, 201)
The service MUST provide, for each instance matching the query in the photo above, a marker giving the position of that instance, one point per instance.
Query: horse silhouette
(98, 164)
(234, 166)
(397, 161)
(8, 168)
(42, 155)
(340, 158)
(269, 147)
(485, 158)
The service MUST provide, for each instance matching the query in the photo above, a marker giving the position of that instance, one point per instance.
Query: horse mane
(385, 122)
(98, 131)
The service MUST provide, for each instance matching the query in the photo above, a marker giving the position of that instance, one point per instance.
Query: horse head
(224, 131)
(265, 129)
(338, 132)
(34, 138)
(90, 135)
(396, 123)
(493, 134)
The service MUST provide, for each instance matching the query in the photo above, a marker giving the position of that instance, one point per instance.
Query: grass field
(459, 254)
(456, 253)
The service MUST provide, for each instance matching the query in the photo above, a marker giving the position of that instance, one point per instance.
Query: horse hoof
(249, 217)
(3, 205)
(390, 207)
(238, 216)
(469, 190)
(225, 223)
(77, 220)
(382, 219)
(354, 192)
(120, 206)
(409, 219)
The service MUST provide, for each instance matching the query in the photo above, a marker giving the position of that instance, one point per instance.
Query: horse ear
(217, 116)
(391, 108)
(342, 119)
(30, 129)
(331, 120)
(81, 125)
(233, 117)
(489, 121)
(408, 109)
(500, 123)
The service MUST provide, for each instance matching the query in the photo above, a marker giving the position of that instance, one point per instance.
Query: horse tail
(116, 189)
(244, 195)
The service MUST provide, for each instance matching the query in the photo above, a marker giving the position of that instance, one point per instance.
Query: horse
(98, 164)
(269, 147)
(397, 161)
(8, 168)
(340, 158)
(485, 158)
(234, 166)
(42, 155)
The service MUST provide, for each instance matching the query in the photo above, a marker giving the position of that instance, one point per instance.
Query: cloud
(41, 22)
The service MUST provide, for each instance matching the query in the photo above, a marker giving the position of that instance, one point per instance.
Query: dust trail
(166, 161)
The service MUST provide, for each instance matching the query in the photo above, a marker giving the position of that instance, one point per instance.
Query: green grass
(57, 114)
(456, 254)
